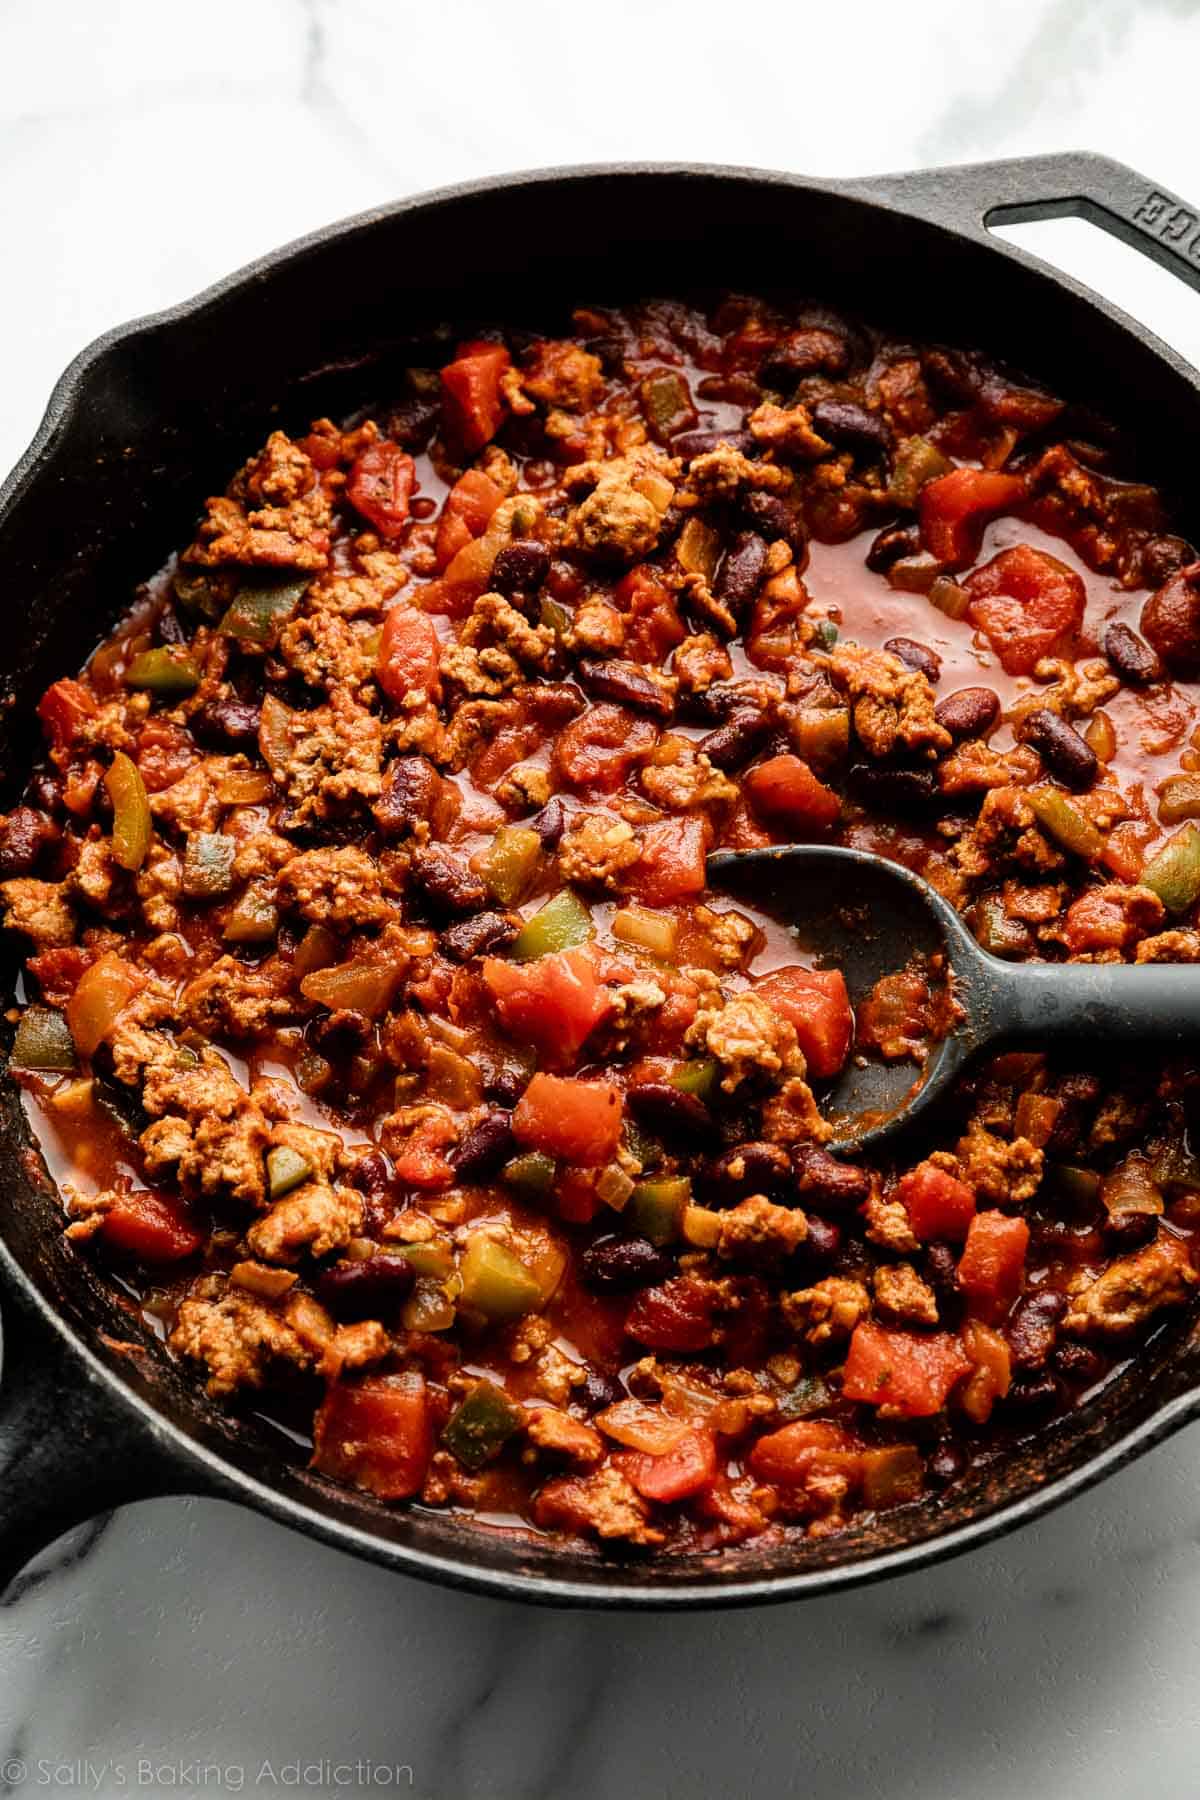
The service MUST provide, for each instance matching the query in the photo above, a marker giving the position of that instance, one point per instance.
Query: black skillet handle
(1072, 184)
(70, 1446)
(1106, 1001)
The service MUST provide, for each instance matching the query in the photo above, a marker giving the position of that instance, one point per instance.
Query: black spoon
(868, 917)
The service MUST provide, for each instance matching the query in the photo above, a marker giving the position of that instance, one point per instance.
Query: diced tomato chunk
(671, 866)
(653, 626)
(472, 404)
(816, 1004)
(937, 1203)
(419, 1162)
(992, 1263)
(153, 1227)
(579, 1121)
(165, 753)
(376, 1433)
(64, 709)
(469, 506)
(955, 508)
(409, 653)
(1098, 921)
(380, 486)
(575, 1196)
(1028, 605)
(786, 1456)
(678, 1473)
(553, 1003)
(59, 971)
(784, 791)
(598, 749)
(676, 1316)
(905, 1369)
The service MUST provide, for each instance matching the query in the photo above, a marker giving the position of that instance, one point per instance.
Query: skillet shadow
(249, 1643)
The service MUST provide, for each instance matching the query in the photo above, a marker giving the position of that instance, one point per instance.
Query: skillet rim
(203, 1470)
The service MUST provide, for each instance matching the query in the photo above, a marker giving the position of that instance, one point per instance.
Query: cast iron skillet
(155, 414)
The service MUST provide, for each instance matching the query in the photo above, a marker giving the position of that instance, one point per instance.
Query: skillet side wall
(167, 410)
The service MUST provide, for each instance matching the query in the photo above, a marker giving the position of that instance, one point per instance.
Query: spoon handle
(1100, 1000)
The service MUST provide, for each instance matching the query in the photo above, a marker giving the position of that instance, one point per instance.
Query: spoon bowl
(869, 917)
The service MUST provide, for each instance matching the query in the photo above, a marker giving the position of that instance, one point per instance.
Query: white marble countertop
(190, 1647)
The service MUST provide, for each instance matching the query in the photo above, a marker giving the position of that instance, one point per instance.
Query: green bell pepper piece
(512, 858)
(257, 612)
(1174, 874)
(698, 1077)
(207, 865)
(1071, 829)
(481, 1425)
(166, 672)
(532, 1174)
(495, 1282)
(561, 924)
(254, 918)
(286, 1169)
(433, 1257)
(655, 1208)
(43, 1041)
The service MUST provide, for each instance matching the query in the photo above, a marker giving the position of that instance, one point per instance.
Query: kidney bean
(735, 742)
(564, 581)
(371, 1175)
(471, 937)
(850, 426)
(1129, 1230)
(947, 1463)
(698, 443)
(893, 790)
(749, 1168)
(445, 879)
(774, 518)
(669, 1112)
(823, 1242)
(1162, 557)
(555, 703)
(892, 543)
(1060, 747)
(1131, 656)
(1171, 621)
(371, 1289)
(625, 683)
(1079, 1363)
(1032, 1328)
(824, 1182)
(613, 1265)
(804, 352)
(550, 823)
(226, 720)
(46, 789)
(339, 1033)
(597, 1392)
(521, 567)
(742, 570)
(968, 712)
(411, 424)
(916, 656)
(485, 1148)
(410, 788)
(941, 1271)
(24, 834)
(1076, 1094)
(1034, 1393)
